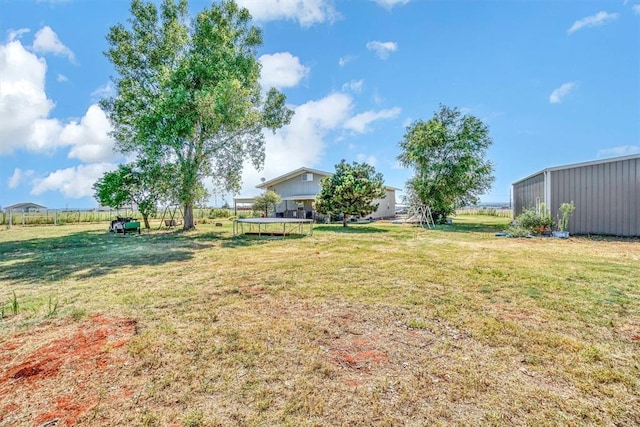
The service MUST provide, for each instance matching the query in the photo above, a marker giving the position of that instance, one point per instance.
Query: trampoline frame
(289, 225)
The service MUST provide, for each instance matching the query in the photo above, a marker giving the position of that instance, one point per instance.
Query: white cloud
(73, 183)
(62, 78)
(90, 138)
(382, 49)
(301, 142)
(636, 9)
(599, 18)
(558, 94)
(281, 70)
(306, 12)
(47, 41)
(390, 3)
(360, 122)
(361, 157)
(345, 59)
(621, 150)
(19, 176)
(353, 86)
(44, 136)
(24, 106)
(106, 91)
(16, 34)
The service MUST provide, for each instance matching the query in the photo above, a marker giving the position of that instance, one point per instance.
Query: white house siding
(298, 196)
(386, 205)
(296, 186)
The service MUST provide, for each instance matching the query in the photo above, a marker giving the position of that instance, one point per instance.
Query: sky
(557, 82)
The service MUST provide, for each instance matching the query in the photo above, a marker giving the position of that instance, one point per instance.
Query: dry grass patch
(380, 324)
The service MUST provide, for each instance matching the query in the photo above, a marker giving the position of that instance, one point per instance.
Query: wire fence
(82, 216)
(201, 215)
(498, 212)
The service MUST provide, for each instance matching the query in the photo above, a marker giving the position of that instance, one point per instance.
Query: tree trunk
(344, 220)
(188, 218)
(145, 218)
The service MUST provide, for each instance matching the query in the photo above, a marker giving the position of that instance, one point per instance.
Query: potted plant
(546, 222)
(566, 210)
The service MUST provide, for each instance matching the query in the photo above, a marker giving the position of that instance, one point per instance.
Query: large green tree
(188, 96)
(266, 201)
(137, 183)
(447, 154)
(351, 190)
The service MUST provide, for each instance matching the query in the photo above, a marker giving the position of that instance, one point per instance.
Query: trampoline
(272, 226)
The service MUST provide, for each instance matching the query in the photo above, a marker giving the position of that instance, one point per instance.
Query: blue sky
(557, 82)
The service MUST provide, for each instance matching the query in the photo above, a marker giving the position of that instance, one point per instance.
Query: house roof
(245, 199)
(26, 205)
(290, 175)
(579, 165)
(299, 171)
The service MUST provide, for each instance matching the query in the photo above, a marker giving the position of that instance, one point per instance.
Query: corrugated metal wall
(606, 197)
(526, 193)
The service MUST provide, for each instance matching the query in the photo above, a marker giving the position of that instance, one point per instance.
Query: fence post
(24, 218)
(55, 217)
(10, 218)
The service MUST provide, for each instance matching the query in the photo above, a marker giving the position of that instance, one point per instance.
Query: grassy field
(378, 324)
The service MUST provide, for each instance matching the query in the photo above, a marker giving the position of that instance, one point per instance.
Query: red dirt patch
(58, 372)
(359, 353)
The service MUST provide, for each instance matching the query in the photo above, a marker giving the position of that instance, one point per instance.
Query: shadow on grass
(353, 229)
(602, 238)
(245, 240)
(91, 253)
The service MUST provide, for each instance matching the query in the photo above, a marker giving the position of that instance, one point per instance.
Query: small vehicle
(124, 225)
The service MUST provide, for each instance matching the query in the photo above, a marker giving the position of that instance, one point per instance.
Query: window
(307, 177)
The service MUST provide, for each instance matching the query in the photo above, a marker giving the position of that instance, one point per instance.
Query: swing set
(172, 216)
(421, 214)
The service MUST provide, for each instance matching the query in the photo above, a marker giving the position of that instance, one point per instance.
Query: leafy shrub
(219, 213)
(518, 231)
(566, 210)
(535, 220)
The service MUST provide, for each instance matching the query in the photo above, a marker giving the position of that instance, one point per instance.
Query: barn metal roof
(579, 165)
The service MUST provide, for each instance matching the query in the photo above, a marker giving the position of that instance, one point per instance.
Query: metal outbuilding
(606, 194)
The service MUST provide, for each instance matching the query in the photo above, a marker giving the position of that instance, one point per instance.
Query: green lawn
(378, 324)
